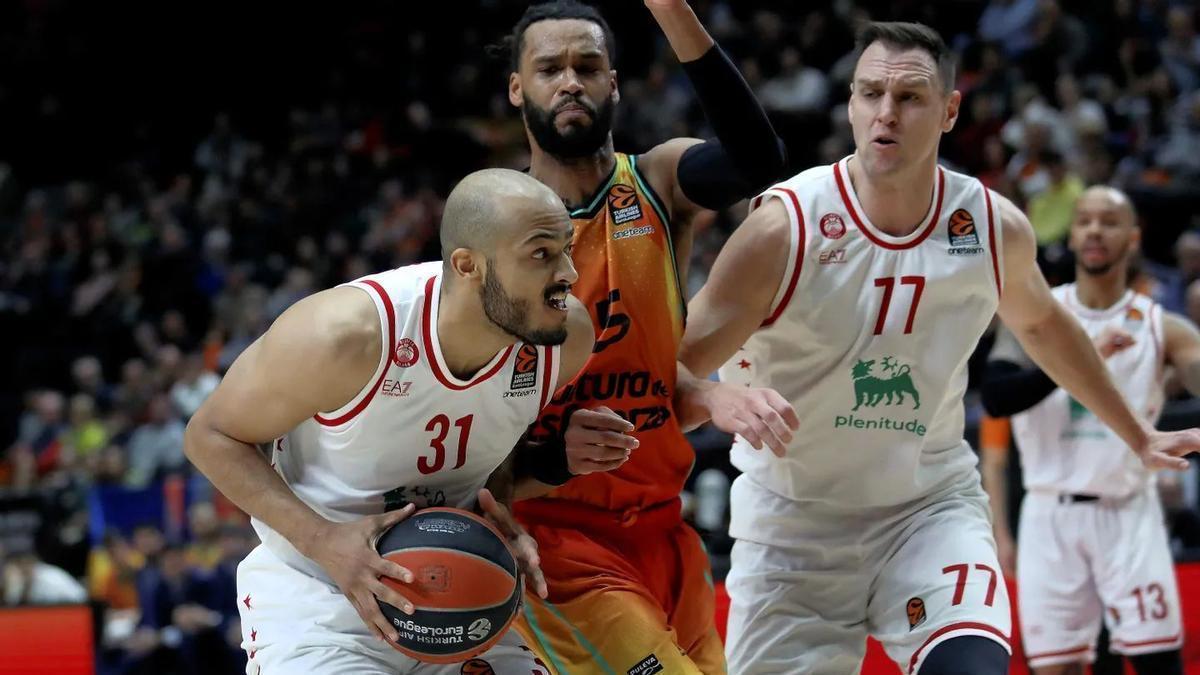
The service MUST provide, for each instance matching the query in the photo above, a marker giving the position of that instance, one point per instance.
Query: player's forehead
(883, 64)
(1104, 203)
(554, 38)
(538, 220)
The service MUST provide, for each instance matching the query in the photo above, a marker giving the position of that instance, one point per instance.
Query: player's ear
(463, 262)
(515, 95)
(952, 104)
(612, 83)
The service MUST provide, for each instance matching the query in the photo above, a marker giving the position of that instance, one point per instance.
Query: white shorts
(1085, 562)
(913, 579)
(296, 624)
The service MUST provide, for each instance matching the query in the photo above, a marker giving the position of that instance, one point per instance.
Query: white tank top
(1064, 447)
(863, 326)
(415, 433)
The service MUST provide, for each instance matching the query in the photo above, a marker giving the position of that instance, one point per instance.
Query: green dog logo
(870, 390)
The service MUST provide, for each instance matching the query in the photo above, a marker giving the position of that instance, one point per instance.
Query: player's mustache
(571, 100)
(557, 288)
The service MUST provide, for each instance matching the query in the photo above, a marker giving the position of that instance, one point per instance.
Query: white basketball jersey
(1064, 447)
(869, 337)
(415, 433)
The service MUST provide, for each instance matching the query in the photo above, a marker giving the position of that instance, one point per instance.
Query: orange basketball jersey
(629, 283)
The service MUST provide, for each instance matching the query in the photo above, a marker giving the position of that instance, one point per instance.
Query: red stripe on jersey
(937, 212)
(961, 626)
(433, 354)
(1062, 652)
(987, 199)
(800, 244)
(1148, 643)
(391, 349)
(1158, 349)
(547, 386)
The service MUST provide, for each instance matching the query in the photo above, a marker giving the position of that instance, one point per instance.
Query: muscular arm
(1181, 343)
(1053, 338)
(316, 357)
(732, 305)
(747, 155)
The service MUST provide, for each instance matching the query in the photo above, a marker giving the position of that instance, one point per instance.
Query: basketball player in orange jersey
(402, 389)
(630, 587)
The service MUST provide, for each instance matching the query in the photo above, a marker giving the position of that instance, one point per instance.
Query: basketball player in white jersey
(858, 292)
(1093, 545)
(400, 390)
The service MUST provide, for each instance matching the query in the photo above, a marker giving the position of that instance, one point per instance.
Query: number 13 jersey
(415, 432)
(868, 337)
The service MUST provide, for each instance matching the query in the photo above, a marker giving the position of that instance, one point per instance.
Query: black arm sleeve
(1009, 389)
(747, 155)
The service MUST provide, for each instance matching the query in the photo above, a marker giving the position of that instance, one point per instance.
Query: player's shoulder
(401, 285)
(815, 178)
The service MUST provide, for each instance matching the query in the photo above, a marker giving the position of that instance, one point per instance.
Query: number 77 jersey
(868, 337)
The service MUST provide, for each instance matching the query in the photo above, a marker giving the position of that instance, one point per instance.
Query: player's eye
(549, 70)
(541, 254)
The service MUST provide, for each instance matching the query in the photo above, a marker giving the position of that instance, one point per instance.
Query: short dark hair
(905, 35)
(514, 43)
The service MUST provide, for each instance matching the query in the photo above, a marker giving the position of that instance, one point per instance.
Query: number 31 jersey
(415, 433)
(868, 337)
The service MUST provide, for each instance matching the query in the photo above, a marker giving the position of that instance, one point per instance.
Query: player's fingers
(773, 421)
(387, 568)
(498, 514)
(784, 409)
(385, 520)
(381, 631)
(537, 580)
(600, 418)
(746, 430)
(772, 440)
(605, 453)
(390, 596)
(1162, 460)
(600, 437)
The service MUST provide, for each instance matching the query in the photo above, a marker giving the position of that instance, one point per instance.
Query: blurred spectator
(1181, 50)
(87, 435)
(1052, 209)
(89, 379)
(112, 571)
(194, 385)
(1179, 154)
(204, 551)
(29, 581)
(156, 447)
(797, 88)
(1010, 24)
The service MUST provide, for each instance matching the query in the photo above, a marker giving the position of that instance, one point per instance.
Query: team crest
(916, 613)
(832, 226)
(623, 204)
(525, 370)
(406, 353)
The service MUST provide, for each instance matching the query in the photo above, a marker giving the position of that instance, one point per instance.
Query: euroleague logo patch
(406, 353)
(832, 226)
(623, 204)
(916, 613)
(525, 370)
(964, 239)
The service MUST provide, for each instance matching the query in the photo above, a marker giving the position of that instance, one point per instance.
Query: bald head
(496, 205)
(1103, 197)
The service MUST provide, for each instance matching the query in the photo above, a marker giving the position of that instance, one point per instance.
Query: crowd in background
(145, 243)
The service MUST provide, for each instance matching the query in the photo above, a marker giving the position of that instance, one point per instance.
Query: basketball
(465, 589)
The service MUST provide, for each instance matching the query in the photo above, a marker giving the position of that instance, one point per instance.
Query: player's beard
(577, 141)
(512, 314)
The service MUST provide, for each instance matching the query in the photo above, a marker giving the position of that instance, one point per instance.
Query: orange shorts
(629, 593)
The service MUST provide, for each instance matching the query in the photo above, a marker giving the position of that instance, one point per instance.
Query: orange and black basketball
(916, 612)
(466, 587)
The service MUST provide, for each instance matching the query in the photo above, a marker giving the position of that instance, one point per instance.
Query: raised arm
(1181, 343)
(1060, 347)
(316, 357)
(747, 155)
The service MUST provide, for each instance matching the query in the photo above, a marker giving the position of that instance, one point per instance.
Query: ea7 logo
(392, 387)
(833, 256)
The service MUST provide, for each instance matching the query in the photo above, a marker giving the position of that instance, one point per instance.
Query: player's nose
(566, 273)
(570, 83)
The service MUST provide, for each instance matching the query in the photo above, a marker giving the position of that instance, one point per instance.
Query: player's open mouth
(883, 141)
(557, 299)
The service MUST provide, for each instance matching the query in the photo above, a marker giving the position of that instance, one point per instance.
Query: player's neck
(1100, 291)
(467, 344)
(895, 204)
(574, 180)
